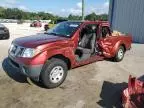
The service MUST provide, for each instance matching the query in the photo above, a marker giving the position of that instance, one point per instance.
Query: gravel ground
(97, 85)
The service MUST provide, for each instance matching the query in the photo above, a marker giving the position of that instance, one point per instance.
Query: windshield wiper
(55, 34)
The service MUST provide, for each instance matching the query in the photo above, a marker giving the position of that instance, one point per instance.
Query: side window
(105, 31)
(87, 33)
(88, 29)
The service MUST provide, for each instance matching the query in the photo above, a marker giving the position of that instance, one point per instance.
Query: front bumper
(32, 71)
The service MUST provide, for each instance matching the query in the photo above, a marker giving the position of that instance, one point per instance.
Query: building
(128, 16)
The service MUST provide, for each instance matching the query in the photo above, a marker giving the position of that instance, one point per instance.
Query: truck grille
(16, 51)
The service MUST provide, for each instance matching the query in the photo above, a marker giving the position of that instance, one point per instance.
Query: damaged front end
(133, 96)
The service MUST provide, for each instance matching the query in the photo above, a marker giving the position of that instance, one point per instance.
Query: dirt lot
(97, 85)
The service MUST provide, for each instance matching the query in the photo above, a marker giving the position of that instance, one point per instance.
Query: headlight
(11, 47)
(28, 53)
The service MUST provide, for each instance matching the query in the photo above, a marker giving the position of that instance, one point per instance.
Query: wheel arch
(117, 46)
(62, 57)
(123, 45)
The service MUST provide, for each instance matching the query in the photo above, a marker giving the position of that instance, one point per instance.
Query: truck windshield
(64, 29)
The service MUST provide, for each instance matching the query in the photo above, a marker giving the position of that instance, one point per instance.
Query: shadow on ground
(13, 72)
(111, 95)
(110, 60)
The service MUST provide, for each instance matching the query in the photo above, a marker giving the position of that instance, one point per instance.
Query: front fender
(67, 52)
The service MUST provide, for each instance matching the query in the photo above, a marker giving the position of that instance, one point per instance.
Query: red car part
(133, 96)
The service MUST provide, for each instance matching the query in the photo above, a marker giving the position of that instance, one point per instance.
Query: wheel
(120, 54)
(54, 73)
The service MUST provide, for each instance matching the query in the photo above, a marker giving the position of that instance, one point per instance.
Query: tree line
(15, 13)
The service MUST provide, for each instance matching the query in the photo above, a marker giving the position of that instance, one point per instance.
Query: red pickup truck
(36, 24)
(47, 57)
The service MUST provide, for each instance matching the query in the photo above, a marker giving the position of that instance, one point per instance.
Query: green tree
(74, 17)
(15, 13)
(91, 17)
(104, 17)
(2, 12)
(94, 17)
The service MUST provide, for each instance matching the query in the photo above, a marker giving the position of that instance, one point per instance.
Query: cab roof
(102, 23)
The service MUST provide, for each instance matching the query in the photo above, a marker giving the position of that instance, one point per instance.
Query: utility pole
(83, 9)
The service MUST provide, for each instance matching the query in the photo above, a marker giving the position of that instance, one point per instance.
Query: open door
(86, 51)
(86, 45)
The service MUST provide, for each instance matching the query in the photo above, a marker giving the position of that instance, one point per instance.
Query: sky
(58, 7)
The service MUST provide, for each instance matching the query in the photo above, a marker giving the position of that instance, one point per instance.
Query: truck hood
(36, 40)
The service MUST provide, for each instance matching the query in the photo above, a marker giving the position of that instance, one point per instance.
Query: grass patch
(51, 25)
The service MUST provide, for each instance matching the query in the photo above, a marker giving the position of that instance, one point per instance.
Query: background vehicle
(36, 24)
(46, 27)
(20, 21)
(68, 45)
(4, 32)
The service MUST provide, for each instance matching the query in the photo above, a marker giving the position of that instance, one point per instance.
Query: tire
(51, 78)
(120, 54)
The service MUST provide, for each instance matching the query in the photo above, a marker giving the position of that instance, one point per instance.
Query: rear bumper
(32, 71)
